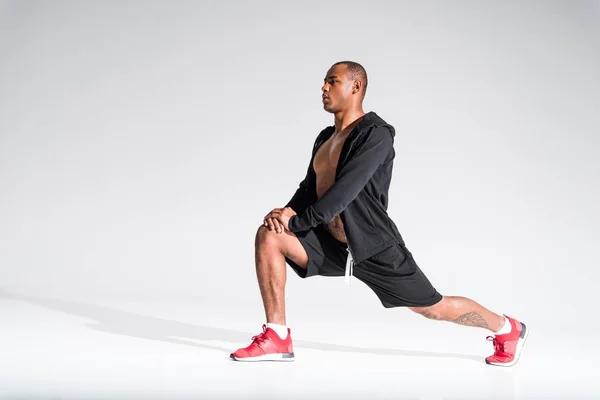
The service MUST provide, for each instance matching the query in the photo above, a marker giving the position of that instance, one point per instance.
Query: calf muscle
(271, 248)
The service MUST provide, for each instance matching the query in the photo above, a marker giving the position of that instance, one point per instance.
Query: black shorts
(392, 274)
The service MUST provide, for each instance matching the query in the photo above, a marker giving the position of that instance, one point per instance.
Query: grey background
(141, 143)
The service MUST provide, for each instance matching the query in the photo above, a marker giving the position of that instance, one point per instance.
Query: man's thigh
(396, 279)
(321, 253)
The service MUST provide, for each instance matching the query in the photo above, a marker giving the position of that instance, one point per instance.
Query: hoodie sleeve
(298, 199)
(351, 181)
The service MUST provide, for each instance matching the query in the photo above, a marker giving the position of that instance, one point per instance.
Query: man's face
(337, 89)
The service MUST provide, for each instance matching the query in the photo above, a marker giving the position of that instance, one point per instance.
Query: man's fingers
(269, 216)
(281, 226)
(274, 224)
(267, 222)
(278, 226)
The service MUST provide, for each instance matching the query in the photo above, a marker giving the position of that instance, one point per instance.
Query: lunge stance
(336, 224)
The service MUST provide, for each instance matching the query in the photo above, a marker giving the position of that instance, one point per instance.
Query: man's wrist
(290, 223)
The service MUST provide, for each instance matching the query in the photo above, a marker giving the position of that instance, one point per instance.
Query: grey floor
(168, 347)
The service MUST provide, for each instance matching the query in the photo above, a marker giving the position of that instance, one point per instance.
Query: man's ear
(356, 86)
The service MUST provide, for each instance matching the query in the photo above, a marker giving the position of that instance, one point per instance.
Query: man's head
(344, 86)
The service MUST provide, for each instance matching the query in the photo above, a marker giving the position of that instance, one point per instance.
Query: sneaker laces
(498, 345)
(261, 337)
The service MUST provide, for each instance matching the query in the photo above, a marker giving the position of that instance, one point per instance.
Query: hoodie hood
(369, 122)
(372, 120)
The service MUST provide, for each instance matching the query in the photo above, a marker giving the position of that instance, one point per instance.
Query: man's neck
(345, 121)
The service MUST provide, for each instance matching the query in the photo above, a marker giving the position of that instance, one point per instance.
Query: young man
(337, 224)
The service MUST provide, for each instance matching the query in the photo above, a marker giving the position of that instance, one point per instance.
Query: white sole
(285, 357)
(520, 345)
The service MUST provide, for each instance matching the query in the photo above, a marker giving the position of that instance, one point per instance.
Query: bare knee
(435, 311)
(285, 243)
(266, 238)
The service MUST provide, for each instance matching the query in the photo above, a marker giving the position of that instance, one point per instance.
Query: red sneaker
(507, 347)
(267, 346)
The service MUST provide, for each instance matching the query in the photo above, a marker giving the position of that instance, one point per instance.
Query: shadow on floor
(118, 322)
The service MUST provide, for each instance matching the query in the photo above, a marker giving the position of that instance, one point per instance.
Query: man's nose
(325, 87)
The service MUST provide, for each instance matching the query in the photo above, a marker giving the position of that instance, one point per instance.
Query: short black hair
(356, 72)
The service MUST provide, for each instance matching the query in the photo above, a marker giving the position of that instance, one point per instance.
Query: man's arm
(353, 177)
(298, 199)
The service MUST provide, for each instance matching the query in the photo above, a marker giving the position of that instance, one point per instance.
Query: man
(337, 224)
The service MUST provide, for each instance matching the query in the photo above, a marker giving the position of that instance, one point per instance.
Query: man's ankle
(280, 330)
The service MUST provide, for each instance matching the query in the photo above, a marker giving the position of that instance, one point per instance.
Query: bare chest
(325, 163)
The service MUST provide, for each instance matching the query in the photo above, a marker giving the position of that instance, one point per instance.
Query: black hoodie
(360, 192)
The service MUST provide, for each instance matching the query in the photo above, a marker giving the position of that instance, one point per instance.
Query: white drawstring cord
(349, 265)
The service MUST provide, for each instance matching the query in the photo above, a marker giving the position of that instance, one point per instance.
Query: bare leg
(463, 311)
(271, 248)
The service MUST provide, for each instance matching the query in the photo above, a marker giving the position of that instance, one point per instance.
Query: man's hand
(278, 219)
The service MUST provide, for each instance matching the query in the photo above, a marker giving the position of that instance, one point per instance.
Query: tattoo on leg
(471, 319)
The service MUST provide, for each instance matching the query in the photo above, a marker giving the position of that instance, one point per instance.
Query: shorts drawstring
(349, 265)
